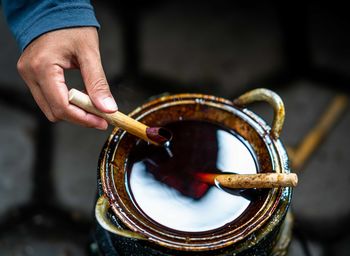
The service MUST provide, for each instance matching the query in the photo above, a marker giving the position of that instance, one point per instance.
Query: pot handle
(101, 208)
(262, 94)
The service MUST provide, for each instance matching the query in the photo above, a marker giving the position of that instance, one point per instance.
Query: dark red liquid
(167, 178)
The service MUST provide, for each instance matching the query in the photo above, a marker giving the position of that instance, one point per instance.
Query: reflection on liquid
(165, 188)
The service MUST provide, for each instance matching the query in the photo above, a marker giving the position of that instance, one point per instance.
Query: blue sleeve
(29, 19)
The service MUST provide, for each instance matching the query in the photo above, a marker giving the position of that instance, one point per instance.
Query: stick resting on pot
(154, 135)
(258, 180)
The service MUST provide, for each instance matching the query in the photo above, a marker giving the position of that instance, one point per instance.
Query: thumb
(96, 83)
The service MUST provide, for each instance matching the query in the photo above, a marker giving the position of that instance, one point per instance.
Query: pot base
(104, 243)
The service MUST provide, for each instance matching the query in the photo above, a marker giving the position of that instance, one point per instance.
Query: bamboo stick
(259, 180)
(154, 135)
(312, 140)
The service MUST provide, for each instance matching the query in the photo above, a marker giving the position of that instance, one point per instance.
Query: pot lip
(273, 201)
(178, 97)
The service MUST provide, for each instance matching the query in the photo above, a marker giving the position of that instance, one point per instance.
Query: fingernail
(110, 104)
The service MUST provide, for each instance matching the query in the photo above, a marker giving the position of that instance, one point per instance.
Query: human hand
(42, 66)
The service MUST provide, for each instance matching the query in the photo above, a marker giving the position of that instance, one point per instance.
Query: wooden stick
(154, 135)
(259, 180)
(313, 139)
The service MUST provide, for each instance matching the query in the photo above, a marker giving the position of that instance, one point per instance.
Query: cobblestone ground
(225, 49)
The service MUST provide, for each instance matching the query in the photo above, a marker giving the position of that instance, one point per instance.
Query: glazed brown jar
(262, 229)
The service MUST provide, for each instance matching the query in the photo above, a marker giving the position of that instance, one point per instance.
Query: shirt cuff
(59, 17)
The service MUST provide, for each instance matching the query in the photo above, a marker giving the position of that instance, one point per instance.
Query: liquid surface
(163, 185)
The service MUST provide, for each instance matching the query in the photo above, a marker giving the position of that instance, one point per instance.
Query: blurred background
(300, 50)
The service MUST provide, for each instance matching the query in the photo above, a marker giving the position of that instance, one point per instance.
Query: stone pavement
(223, 48)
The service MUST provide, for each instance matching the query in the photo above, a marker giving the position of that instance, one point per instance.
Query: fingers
(35, 90)
(95, 81)
(41, 101)
(51, 95)
(55, 90)
(80, 117)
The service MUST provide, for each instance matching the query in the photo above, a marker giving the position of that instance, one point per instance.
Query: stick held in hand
(154, 135)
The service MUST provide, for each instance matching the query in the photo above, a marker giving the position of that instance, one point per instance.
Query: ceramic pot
(263, 229)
